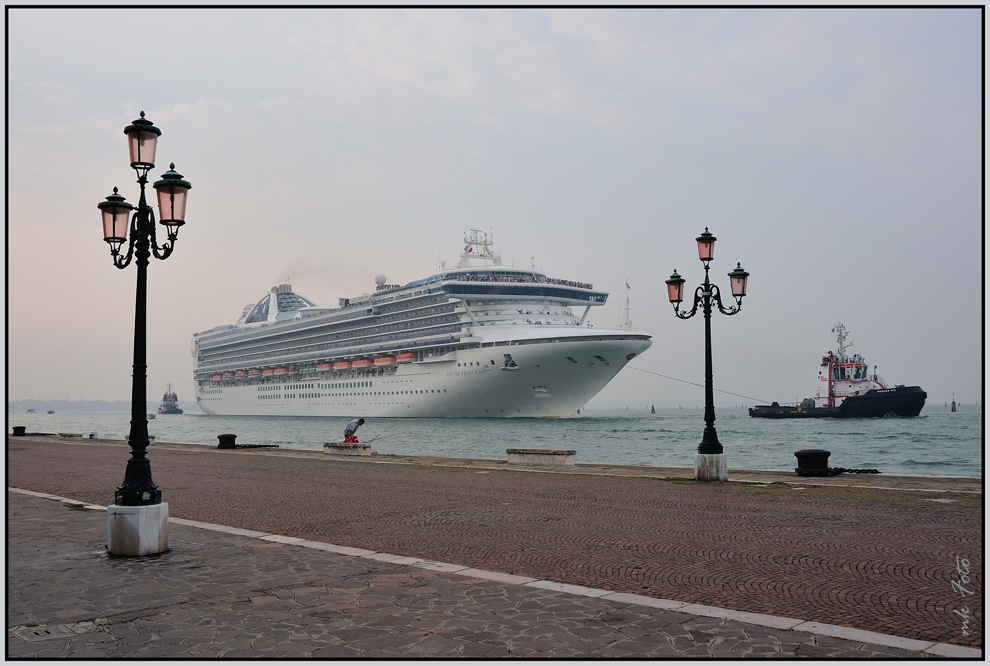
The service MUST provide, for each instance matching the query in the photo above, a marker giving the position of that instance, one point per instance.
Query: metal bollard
(812, 462)
(226, 441)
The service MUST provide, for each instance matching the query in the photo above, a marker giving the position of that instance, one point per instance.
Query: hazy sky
(835, 153)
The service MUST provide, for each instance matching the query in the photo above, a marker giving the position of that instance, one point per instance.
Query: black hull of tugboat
(169, 410)
(899, 401)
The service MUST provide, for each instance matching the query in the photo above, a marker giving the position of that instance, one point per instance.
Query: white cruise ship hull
(476, 340)
(545, 382)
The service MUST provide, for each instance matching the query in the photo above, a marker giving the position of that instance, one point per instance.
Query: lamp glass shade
(172, 193)
(737, 280)
(142, 140)
(675, 288)
(706, 246)
(172, 202)
(116, 213)
(115, 222)
(143, 146)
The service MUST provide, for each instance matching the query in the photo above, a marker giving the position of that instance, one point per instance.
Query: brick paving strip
(879, 561)
(221, 596)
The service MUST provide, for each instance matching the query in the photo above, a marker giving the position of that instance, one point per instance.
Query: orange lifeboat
(342, 365)
(362, 364)
(241, 373)
(405, 357)
(281, 371)
(254, 372)
(324, 367)
(385, 362)
(268, 372)
(218, 376)
(228, 375)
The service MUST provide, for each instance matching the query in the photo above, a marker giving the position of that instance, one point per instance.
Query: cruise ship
(477, 340)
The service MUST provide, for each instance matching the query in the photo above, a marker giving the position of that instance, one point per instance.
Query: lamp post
(137, 523)
(709, 462)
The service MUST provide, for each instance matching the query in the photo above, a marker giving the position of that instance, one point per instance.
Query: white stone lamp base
(137, 530)
(711, 467)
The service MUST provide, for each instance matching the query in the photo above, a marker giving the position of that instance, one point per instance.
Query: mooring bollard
(812, 462)
(19, 431)
(227, 441)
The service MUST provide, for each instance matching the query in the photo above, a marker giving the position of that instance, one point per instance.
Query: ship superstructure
(845, 374)
(478, 340)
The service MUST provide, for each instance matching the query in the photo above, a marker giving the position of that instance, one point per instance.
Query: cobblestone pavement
(876, 560)
(220, 595)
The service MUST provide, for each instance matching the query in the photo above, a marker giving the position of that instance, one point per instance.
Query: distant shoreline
(21, 406)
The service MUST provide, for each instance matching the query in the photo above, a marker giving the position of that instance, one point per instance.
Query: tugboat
(170, 402)
(849, 391)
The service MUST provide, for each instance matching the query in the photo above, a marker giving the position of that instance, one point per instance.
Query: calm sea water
(938, 442)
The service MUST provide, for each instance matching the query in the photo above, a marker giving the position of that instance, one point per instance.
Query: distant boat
(653, 410)
(170, 402)
(30, 411)
(849, 391)
(51, 411)
(151, 415)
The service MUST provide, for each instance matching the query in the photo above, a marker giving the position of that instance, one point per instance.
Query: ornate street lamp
(138, 501)
(709, 463)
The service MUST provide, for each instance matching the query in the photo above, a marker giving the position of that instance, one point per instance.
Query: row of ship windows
(215, 357)
(290, 396)
(324, 332)
(294, 337)
(296, 387)
(368, 384)
(400, 305)
(291, 387)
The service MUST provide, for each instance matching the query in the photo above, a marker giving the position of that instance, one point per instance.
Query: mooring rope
(684, 381)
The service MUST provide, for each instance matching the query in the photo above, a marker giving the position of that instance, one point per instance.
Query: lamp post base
(711, 467)
(137, 530)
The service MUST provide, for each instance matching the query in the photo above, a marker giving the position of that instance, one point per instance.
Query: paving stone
(394, 610)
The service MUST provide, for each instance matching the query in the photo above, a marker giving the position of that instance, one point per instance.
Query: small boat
(51, 411)
(30, 411)
(151, 415)
(405, 357)
(281, 371)
(254, 372)
(324, 367)
(170, 402)
(653, 410)
(342, 365)
(849, 391)
(362, 364)
(386, 362)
